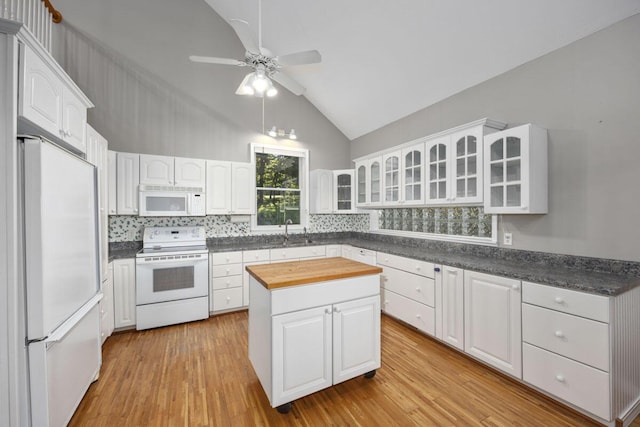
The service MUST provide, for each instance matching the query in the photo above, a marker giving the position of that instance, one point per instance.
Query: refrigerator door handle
(61, 331)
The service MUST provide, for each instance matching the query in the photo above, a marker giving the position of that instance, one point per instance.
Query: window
(281, 187)
(465, 224)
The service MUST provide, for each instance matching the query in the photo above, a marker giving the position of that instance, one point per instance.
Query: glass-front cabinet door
(375, 181)
(343, 190)
(412, 167)
(361, 184)
(466, 166)
(391, 181)
(437, 151)
(516, 171)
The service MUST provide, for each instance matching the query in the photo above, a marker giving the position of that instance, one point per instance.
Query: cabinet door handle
(327, 310)
(418, 316)
(559, 300)
(560, 378)
(228, 299)
(515, 287)
(336, 310)
(418, 267)
(436, 269)
(559, 334)
(418, 289)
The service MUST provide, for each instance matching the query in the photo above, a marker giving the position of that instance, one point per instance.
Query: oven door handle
(141, 262)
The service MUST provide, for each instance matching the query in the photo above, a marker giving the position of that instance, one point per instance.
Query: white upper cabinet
(412, 167)
(516, 171)
(97, 155)
(369, 182)
(230, 188)
(190, 172)
(174, 171)
(128, 180)
(391, 178)
(332, 191)
(437, 182)
(343, 191)
(156, 170)
(49, 102)
(112, 178)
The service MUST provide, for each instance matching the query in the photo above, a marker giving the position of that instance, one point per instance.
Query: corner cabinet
(49, 102)
(127, 182)
(516, 171)
(332, 191)
(230, 188)
(492, 321)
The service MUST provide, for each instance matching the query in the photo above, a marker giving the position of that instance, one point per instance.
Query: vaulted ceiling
(383, 60)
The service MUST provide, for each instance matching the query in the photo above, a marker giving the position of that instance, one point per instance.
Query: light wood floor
(199, 374)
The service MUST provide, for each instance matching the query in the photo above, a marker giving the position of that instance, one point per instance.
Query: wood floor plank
(199, 374)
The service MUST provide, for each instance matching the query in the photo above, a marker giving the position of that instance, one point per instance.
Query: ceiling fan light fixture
(271, 90)
(260, 82)
(246, 87)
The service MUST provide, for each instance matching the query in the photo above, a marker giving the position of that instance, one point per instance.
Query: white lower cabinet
(225, 283)
(567, 346)
(450, 305)
(258, 256)
(357, 254)
(298, 348)
(492, 321)
(408, 290)
(124, 293)
(106, 306)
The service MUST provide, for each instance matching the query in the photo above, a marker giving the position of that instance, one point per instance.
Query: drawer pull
(418, 267)
(559, 334)
(515, 287)
(228, 299)
(418, 289)
(559, 300)
(386, 302)
(437, 269)
(418, 316)
(560, 378)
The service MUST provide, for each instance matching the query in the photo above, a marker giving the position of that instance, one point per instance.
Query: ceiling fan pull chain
(260, 25)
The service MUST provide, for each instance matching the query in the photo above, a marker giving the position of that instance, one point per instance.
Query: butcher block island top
(283, 274)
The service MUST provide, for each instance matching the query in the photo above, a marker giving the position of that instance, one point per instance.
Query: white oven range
(172, 277)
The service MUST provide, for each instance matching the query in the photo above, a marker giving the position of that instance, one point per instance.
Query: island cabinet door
(356, 338)
(302, 356)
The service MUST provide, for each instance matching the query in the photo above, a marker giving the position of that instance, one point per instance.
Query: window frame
(303, 154)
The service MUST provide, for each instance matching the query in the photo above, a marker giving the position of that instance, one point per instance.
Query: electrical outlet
(507, 239)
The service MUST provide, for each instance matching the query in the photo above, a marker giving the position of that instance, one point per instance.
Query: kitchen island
(312, 324)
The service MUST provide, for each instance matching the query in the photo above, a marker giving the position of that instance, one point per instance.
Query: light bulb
(260, 82)
(273, 132)
(272, 91)
(292, 134)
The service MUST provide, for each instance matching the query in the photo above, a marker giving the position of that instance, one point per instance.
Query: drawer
(579, 384)
(226, 299)
(222, 258)
(591, 306)
(580, 339)
(414, 266)
(226, 282)
(256, 256)
(362, 255)
(226, 270)
(294, 253)
(415, 314)
(418, 288)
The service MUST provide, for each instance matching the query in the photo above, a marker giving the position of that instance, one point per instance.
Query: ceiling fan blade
(244, 34)
(288, 83)
(300, 58)
(214, 60)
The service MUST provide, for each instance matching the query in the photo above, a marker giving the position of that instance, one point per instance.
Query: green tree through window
(277, 189)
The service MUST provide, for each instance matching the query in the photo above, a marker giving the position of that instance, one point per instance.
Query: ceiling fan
(266, 65)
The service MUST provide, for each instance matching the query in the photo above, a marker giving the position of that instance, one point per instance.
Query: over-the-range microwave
(171, 201)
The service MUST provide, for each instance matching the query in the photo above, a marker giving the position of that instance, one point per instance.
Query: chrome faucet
(286, 231)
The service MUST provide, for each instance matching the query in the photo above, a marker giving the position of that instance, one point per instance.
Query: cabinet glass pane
(416, 192)
(497, 196)
(408, 160)
(344, 179)
(497, 150)
(375, 196)
(472, 186)
(497, 173)
(417, 161)
(460, 187)
(433, 172)
(395, 179)
(471, 165)
(442, 152)
(513, 170)
(344, 193)
(442, 170)
(513, 147)
(471, 145)
(513, 195)
(460, 147)
(344, 206)
(442, 189)
(408, 176)
(362, 184)
(433, 154)
(417, 175)
(460, 169)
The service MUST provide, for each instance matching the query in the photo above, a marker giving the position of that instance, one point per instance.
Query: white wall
(588, 97)
(131, 59)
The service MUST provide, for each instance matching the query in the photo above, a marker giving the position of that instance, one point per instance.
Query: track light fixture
(280, 133)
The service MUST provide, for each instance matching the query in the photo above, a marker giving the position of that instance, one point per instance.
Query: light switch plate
(507, 239)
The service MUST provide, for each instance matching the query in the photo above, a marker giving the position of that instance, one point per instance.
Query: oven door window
(172, 279)
(166, 204)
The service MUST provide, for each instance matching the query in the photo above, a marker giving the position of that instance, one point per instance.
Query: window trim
(303, 154)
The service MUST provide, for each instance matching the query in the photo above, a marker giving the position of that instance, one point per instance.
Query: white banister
(36, 15)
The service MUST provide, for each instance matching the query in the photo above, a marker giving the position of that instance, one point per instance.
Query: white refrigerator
(61, 276)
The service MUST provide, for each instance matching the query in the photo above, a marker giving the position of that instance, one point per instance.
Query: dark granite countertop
(593, 275)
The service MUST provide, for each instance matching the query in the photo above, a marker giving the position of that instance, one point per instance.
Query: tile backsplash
(124, 228)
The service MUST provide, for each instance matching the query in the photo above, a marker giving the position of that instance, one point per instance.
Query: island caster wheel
(370, 374)
(284, 409)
